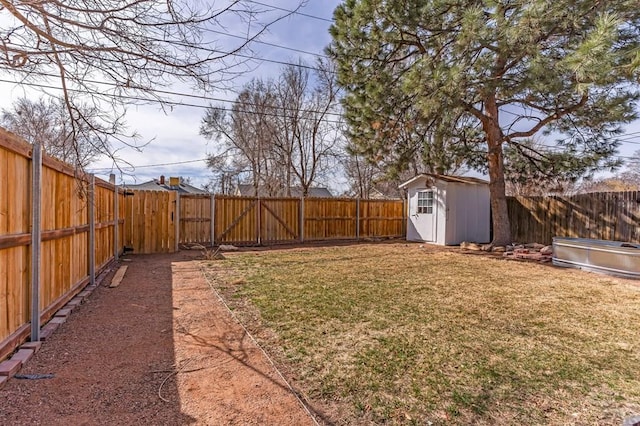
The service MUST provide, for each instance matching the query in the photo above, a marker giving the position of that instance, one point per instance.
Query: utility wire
(188, 95)
(180, 103)
(146, 166)
(223, 53)
(626, 138)
(294, 12)
(279, 46)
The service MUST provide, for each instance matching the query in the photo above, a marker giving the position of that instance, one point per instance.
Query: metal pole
(36, 239)
(116, 218)
(259, 220)
(302, 219)
(177, 222)
(358, 219)
(213, 222)
(92, 230)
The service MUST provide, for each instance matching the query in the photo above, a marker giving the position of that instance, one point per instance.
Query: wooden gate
(195, 218)
(249, 220)
(151, 220)
(236, 220)
(279, 220)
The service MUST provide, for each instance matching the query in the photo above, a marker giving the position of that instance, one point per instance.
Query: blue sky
(174, 133)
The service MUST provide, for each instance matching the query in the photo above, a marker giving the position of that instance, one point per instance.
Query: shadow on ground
(108, 360)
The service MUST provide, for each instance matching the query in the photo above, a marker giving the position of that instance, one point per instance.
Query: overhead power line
(223, 53)
(173, 103)
(628, 138)
(146, 166)
(181, 103)
(279, 46)
(294, 12)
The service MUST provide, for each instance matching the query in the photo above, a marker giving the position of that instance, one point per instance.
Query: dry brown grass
(400, 334)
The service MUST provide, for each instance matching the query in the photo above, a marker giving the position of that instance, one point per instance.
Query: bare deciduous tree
(243, 134)
(110, 53)
(284, 132)
(46, 121)
(308, 130)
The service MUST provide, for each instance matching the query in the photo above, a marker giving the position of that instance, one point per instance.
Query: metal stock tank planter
(611, 257)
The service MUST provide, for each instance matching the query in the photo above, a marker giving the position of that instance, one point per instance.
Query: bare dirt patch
(159, 349)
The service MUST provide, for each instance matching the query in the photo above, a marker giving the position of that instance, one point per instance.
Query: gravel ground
(160, 349)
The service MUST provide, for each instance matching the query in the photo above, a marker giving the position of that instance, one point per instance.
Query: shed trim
(444, 178)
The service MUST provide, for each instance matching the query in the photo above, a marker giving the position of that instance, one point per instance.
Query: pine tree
(485, 74)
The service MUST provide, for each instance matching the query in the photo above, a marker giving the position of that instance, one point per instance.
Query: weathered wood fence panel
(279, 220)
(605, 215)
(14, 237)
(64, 243)
(249, 220)
(253, 221)
(151, 221)
(65, 229)
(329, 219)
(381, 218)
(235, 220)
(195, 218)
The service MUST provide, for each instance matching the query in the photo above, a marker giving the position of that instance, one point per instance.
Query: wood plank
(15, 240)
(119, 275)
(279, 220)
(237, 220)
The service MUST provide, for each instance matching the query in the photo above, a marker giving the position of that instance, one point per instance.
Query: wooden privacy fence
(80, 227)
(250, 220)
(151, 221)
(604, 215)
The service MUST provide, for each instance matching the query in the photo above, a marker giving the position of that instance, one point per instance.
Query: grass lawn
(400, 334)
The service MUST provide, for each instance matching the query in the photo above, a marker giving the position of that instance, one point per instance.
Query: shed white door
(424, 214)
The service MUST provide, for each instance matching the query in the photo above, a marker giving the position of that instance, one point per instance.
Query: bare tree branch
(134, 46)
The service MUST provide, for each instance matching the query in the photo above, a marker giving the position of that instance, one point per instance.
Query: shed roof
(445, 178)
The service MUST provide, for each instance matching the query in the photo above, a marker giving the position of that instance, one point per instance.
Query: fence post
(177, 223)
(116, 217)
(405, 217)
(213, 216)
(36, 238)
(92, 230)
(357, 218)
(302, 218)
(259, 221)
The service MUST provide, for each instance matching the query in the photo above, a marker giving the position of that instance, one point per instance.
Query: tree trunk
(500, 214)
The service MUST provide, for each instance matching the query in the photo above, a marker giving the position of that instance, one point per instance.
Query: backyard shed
(447, 210)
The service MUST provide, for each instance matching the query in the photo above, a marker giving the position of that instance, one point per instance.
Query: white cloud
(174, 132)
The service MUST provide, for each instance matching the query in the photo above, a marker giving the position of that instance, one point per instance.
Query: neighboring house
(250, 191)
(376, 194)
(171, 184)
(447, 210)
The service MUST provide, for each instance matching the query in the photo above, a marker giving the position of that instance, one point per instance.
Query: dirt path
(159, 349)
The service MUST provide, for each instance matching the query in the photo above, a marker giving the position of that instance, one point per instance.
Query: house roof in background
(314, 192)
(155, 185)
(445, 178)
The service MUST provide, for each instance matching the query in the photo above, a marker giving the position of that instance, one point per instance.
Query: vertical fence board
(195, 218)
(63, 270)
(284, 220)
(608, 216)
(150, 221)
(235, 220)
